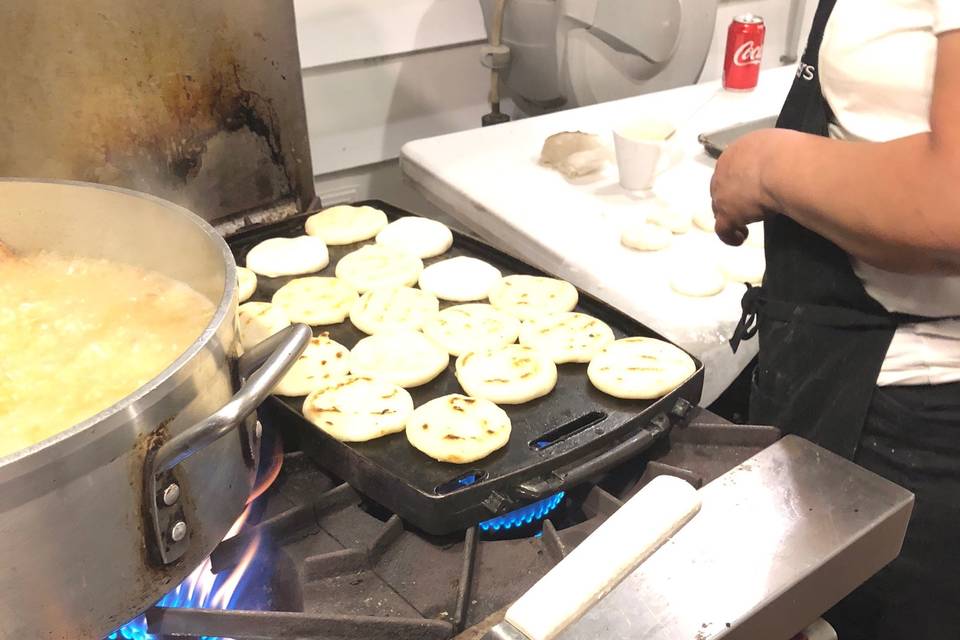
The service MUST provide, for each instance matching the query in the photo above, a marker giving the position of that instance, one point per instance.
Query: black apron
(823, 339)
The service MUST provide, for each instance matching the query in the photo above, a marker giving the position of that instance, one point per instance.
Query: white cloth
(877, 64)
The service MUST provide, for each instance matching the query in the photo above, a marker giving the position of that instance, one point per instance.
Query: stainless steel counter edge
(779, 540)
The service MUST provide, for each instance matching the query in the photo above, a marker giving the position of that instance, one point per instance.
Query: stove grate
(345, 570)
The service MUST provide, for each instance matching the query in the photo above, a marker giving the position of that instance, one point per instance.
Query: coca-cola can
(741, 66)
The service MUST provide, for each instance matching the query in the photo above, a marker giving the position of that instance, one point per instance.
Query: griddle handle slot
(583, 471)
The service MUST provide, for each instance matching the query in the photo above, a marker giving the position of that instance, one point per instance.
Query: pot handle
(262, 366)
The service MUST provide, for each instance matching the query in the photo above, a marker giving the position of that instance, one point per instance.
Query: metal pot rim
(222, 309)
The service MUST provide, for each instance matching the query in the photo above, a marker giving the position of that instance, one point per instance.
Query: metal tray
(557, 441)
(716, 142)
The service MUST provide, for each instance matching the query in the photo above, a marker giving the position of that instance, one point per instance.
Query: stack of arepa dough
(507, 334)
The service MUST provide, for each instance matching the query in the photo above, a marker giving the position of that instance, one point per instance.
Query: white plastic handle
(606, 557)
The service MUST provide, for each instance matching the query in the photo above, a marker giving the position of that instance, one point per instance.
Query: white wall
(378, 73)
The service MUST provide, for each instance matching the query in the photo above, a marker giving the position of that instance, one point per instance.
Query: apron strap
(755, 304)
(748, 325)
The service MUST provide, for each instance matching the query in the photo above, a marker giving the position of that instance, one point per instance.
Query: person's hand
(737, 189)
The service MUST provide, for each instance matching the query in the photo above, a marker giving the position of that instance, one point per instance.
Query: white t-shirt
(877, 64)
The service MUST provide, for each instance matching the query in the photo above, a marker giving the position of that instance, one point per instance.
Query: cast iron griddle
(557, 441)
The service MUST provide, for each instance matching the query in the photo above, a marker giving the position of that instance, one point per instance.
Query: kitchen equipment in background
(557, 441)
(101, 520)
(554, 54)
(199, 102)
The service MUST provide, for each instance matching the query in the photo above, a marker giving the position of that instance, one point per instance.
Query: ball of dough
(705, 220)
(744, 264)
(698, 280)
(646, 236)
(659, 212)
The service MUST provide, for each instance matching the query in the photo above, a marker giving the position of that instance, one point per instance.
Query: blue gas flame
(524, 515)
(202, 589)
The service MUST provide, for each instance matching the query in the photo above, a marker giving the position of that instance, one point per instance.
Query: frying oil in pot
(79, 334)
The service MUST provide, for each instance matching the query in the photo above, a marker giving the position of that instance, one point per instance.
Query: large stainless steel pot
(87, 537)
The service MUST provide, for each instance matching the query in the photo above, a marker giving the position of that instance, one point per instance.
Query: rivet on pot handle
(263, 366)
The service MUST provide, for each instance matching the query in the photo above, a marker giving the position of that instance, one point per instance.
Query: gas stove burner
(339, 566)
(523, 516)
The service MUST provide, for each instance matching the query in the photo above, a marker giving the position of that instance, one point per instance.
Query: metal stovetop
(778, 540)
(341, 568)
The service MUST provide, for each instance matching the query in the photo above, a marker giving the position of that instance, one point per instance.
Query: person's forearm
(895, 205)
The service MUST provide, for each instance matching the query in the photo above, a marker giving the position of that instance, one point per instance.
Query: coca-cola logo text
(748, 53)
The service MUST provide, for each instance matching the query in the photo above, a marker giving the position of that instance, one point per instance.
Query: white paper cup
(638, 153)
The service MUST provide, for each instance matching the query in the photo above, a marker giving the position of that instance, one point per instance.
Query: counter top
(490, 180)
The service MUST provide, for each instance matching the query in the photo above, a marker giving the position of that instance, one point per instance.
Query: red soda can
(741, 67)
